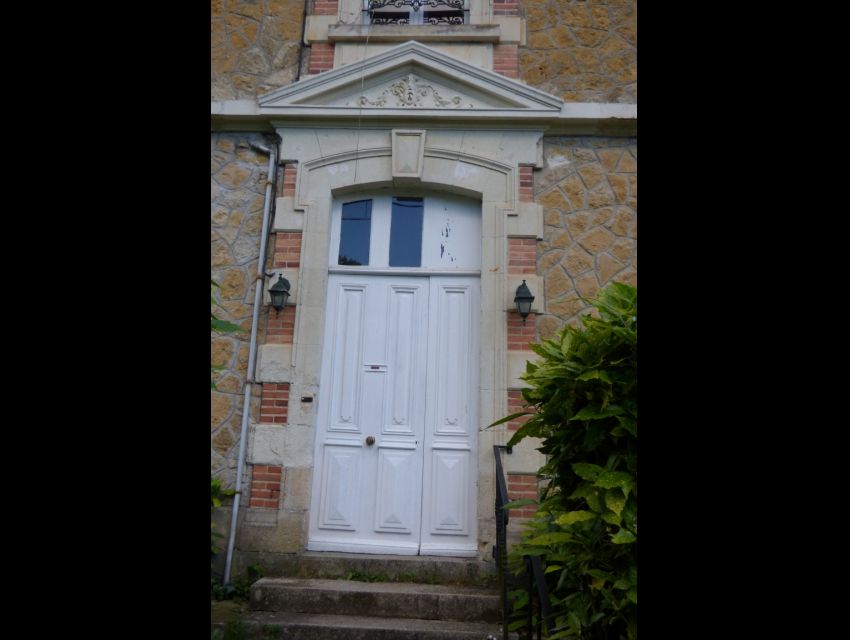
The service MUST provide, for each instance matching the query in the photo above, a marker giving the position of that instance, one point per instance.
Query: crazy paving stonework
(254, 46)
(588, 190)
(581, 51)
(238, 188)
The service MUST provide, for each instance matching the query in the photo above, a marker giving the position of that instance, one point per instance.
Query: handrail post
(501, 549)
(542, 594)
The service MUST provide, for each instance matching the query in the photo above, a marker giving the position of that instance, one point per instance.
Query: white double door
(396, 442)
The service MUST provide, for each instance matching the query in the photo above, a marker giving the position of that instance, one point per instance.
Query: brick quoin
(325, 7)
(526, 179)
(287, 255)
(265, 486)
(321, 57)
(520, 486)
(505, 8)
(290, 173)
(515, 405)
(506, 60)
(522, 256)
(274, 404)
(519, 334)
(287, 250)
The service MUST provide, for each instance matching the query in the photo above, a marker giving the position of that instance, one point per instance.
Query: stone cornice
(601, 118)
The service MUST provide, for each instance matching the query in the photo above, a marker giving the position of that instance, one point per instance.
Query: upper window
(419, 232)
(416, 11)
(406, 232)
(355, 233)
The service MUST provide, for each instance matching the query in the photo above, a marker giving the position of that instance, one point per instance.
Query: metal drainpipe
(252, 350)
(301, 41)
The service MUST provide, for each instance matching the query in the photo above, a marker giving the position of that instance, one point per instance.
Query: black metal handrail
(500, 550)
(533, 564)
(534, 568)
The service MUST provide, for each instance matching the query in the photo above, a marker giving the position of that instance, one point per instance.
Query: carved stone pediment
(411, 90)
(410, 79)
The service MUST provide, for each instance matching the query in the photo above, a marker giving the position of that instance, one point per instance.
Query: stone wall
(236, 199)
(581, 51)
(254, 46)
(588, 188)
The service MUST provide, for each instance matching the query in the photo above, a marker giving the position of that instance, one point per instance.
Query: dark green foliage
(363, 576)
(216, 494)
(238, 589)
(216, 324)
(584, 397)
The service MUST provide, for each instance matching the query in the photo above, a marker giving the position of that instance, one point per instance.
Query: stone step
(326, 564)
(377, 599)
(305, 626)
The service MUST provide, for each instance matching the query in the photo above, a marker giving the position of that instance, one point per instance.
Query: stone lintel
(420, 32)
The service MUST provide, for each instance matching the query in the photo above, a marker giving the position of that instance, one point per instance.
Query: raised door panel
(449, 497)
(403, 365)
(397, 500)
(453, 361)
(346, 349)
(340, 482)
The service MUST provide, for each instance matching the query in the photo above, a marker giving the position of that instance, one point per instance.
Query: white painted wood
(396, 494)
(341, 483)
(451, 233)
(347, 355)
(400, 364)
(369, 497)
(449, 516)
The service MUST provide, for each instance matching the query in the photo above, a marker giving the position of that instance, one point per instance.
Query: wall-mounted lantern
(523, 300)
(279, 293)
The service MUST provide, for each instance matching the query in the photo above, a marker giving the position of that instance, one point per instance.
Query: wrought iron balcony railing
(416, 12)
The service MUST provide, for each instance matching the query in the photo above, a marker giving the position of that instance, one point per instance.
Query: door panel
(347, 355)
(400, 364)
(402, 358)
(373, 374)
(340, 483)
(449, 517)
(397, 495)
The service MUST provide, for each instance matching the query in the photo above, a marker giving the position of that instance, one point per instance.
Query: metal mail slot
(379, 368)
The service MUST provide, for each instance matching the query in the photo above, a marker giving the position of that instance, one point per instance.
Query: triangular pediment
(410, 79)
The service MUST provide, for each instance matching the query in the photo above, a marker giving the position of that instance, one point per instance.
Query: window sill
(418, 32)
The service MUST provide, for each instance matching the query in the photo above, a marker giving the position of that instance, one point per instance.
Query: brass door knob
(370, 440)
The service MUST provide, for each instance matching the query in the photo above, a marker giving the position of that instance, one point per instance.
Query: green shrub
(239, 588)
(583, 394)
(216, 494)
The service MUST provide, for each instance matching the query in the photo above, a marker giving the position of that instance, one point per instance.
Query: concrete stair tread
(333, 564)
(357, 586)
(409, 600)
(355, 626)
(386, 557)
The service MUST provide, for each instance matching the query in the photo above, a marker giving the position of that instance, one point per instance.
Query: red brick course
(321, 57)
(265, 486)
(520, 486)
(274, 404)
